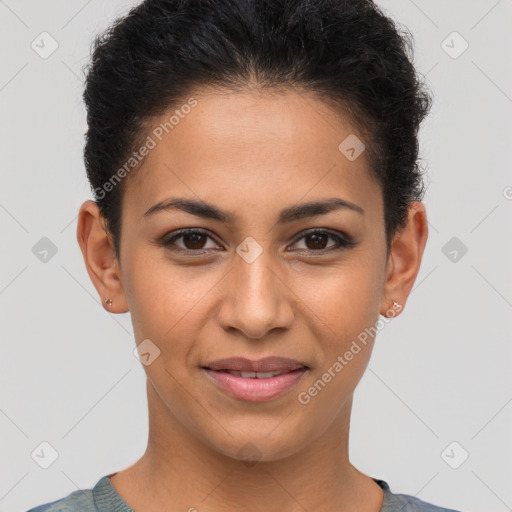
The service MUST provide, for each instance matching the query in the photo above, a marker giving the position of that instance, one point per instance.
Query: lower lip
(255, 390)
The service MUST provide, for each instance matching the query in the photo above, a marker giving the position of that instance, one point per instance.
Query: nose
(256, 300)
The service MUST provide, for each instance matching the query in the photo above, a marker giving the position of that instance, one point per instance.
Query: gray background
(440, 373)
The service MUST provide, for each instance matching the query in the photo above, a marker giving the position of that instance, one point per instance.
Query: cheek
(164, 298)
(345, 299)
(342, 310)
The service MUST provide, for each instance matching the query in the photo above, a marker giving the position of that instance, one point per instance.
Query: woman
(257, 207)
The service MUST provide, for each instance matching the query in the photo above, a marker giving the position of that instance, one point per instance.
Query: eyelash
(342, 241)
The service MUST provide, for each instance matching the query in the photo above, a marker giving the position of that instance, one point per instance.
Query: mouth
(261, 366)
(256, 375)
(255, 381)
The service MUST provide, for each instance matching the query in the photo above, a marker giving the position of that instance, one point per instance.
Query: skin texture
(253, 154)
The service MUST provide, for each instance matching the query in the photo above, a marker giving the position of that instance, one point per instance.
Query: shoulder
(405, 503)
(83, 500)
(77, 501)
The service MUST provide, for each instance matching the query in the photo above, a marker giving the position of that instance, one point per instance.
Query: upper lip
(267, 364)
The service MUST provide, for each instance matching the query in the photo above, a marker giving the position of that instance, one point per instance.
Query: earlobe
(99, 257)
(405, 258)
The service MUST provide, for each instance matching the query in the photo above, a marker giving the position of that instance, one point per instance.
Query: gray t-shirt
(104, 498)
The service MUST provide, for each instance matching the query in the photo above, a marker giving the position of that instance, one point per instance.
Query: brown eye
(317, 241)
(192, 240)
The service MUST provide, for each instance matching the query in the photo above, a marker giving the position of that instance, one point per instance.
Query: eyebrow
(290, 214)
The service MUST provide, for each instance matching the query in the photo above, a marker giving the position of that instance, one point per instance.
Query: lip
(255, 389)
(267, 364)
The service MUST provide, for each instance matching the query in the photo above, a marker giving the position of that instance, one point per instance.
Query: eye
(193, 240)
(316, 241)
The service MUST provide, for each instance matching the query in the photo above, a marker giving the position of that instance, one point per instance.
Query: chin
(250, 445)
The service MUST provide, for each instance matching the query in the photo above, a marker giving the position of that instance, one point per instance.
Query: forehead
(250, 149)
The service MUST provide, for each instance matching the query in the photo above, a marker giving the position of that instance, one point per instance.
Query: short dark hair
(346, 51)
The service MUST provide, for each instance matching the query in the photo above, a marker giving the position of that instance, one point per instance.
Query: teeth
(255, 375)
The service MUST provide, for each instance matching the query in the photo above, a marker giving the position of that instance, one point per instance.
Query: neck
(180, 469)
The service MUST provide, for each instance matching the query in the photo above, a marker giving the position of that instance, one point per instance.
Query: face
(258, 273)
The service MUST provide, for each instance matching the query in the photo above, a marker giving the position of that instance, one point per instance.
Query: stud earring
(108, 301)
(393, 310)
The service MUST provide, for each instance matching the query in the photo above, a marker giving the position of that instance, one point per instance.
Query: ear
(404, 259)
(98, 252)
